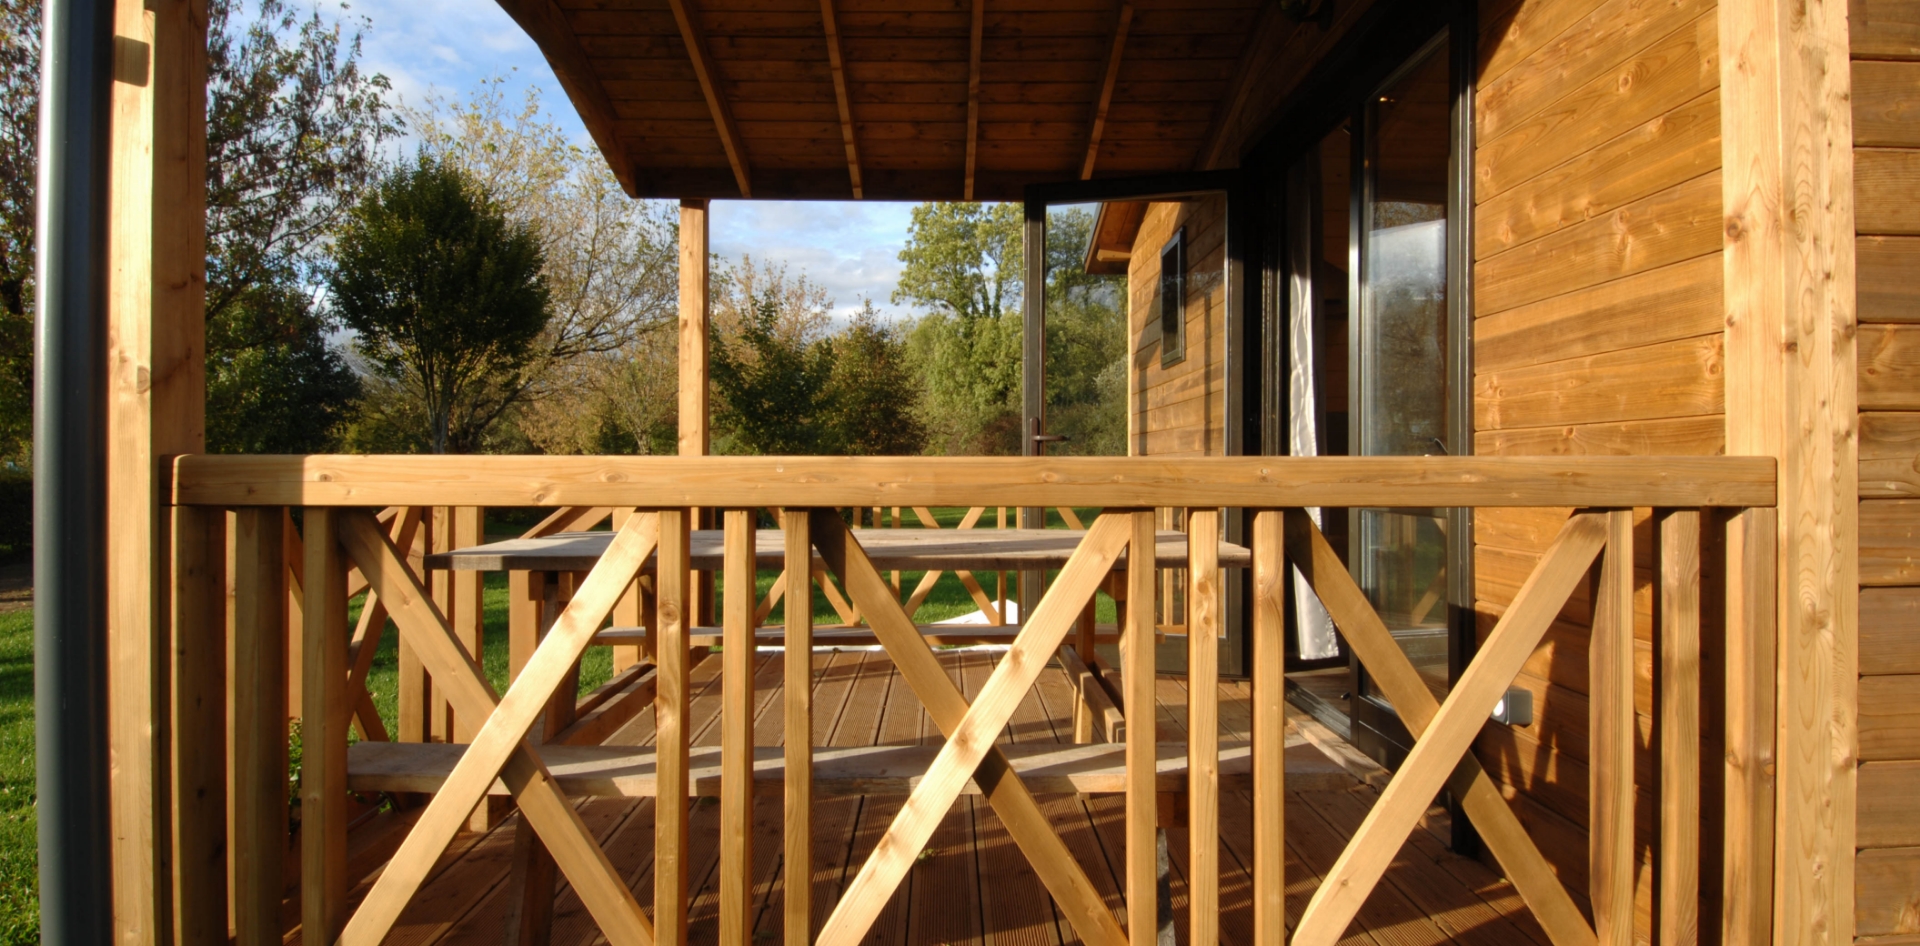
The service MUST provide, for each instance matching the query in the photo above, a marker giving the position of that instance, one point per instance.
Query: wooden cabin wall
(1598, 330)
(1178, 410)
(1885, 37)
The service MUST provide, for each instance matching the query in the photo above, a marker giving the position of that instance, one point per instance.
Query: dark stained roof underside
(1045, 70)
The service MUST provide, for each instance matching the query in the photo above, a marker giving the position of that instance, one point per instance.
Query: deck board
(974, 887)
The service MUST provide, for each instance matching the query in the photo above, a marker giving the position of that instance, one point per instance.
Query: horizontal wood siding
(1885, 36)
(1178, 410)
(1598, 304)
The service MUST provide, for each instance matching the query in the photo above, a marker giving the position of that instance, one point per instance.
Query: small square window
(1173, 299)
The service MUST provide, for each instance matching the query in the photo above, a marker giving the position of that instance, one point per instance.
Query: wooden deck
(972, 885)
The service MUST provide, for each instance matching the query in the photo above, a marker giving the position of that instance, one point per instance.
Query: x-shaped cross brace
(499, 749)
(1444, 731)
(971, 730)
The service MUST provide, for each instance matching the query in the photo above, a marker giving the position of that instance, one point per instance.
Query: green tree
(274, 385)
(871, 394)
(19, 110)
(962, 267)
(446, 294)
(771, 385)
(1086, 333)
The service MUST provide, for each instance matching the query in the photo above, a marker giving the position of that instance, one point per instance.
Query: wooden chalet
(1549, 368)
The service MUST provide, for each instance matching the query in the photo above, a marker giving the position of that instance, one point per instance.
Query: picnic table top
(890, 549)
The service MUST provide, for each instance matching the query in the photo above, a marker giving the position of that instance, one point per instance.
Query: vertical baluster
(259, 661)
(629, 611)
(323, 732)
(467, 617)
(1677, 714)
(1746, 896)
(1269, 729)
(798, 688)
(414, 689)
(1203, 725)
(1610, 791)
(1136, 664)
(440, 582)
(672, 581)
(198, 689)
(294, 554)
(736, 732)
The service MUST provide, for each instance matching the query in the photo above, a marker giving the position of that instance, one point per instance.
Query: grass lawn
(19, 880)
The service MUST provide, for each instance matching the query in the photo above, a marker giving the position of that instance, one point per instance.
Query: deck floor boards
(973, 886)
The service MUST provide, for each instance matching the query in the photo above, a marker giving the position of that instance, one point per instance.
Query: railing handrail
(1119, 482)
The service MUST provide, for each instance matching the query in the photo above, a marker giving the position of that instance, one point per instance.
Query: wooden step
(628, 771)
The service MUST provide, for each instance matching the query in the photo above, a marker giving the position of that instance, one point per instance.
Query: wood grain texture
(1012, 481)
(797, 726)
(1884, 29)
(259, 728)
(1610, 851)
(197, 634)
(1887, 190)
(1889, 364)
(1886, 266)
(1889, 718)
(1667, 227)
(1674, 147)
(1791, 216)
(1884, 900)
(1269, 725)
(1677, 908)
(1676, 436)
(688, 18)
(1889, 455)
(672, 857)
(696, 308)
(1889, 807)
(1671, 379)
(1097, 121)
(1890, 542)
(1886, 107)
(1204, 629)
(323, 731)
(736, 734)
(1888, 641)
(1747, 801)
(1585, 50)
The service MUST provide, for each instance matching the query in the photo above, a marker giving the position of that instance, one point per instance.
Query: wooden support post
(670, 855)
(798, 724)
(1792, 366)
(156, 392)
(415, 690)
(1747, 870)
(323, 732)
(526, 599)
(736, 734)
(259, 708)
(1610, 760)
(630, 611)
(1677, 716)
(198, 689)
(1203, 725)
(293, 553)
(1269, 729)
(695, 417)
(1137, 676)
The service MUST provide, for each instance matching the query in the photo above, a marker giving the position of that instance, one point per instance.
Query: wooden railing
(1711, 503)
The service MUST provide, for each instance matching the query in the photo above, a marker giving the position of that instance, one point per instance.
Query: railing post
(1746, 894)
(323, 732)
(198, 690)
(736, 730)
(1269, 729)
(672, 581)
(1142, 740)
(795, 524)
(1677, 718)
(1203, 726)
(259, 662)
(1611, 729)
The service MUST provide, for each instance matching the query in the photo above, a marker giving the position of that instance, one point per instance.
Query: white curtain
(1317, 639)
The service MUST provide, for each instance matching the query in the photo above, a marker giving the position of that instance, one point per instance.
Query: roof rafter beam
(549, 30)
(838, 64)
(695, 39)
(978, 36)
(1253, 59)
(1098, 125)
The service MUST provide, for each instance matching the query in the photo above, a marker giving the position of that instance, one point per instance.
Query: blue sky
(451, 45)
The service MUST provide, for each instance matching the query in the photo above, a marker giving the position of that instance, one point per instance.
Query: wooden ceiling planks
(904, 99)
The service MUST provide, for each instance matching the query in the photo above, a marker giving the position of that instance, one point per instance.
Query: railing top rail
(1249, 482)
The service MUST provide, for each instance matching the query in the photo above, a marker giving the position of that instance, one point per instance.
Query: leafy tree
(446, 294)
(294, 130)
(963, 265)
(1086, 332)
(19, 107)
(771, 386)
(871, 396)
(611, 267)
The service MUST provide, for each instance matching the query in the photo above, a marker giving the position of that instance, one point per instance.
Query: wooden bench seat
(628, 771)
(938, 635)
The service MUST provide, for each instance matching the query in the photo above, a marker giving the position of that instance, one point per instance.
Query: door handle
(1037, 437)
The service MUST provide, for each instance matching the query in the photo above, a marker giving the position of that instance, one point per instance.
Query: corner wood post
(1269, 729)
(323, 731)
(259, 661)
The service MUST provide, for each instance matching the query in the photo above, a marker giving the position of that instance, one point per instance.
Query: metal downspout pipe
(69, 472)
